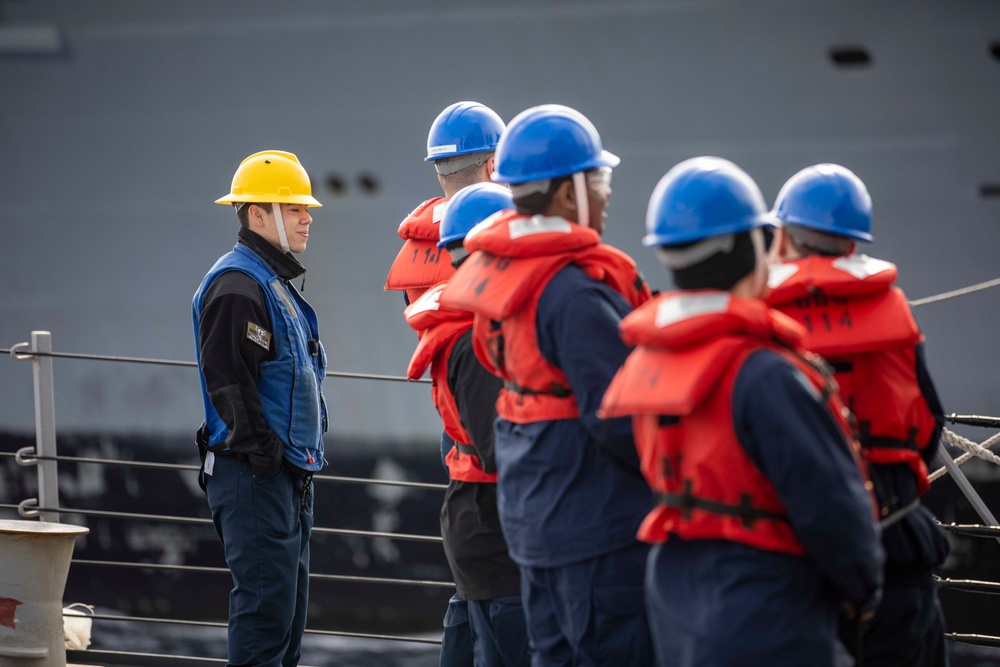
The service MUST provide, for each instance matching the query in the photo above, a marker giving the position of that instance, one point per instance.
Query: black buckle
(306, 490)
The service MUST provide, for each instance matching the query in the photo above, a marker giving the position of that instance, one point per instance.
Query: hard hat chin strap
(761, 268)
(280, 223)
(582, 206)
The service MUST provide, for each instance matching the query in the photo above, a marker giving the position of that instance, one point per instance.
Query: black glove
(201, 439)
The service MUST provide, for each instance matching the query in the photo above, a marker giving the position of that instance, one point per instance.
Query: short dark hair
(720, 271)
(244, 210)
(809, 241)
(463, 177)
(538, 202)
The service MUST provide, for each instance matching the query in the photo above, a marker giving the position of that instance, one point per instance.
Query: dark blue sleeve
(577, 329)
(446, 444)
(794, 441)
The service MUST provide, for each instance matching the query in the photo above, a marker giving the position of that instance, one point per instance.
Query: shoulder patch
(258, 334)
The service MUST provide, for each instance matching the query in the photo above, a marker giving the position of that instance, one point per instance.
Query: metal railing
(46, 507)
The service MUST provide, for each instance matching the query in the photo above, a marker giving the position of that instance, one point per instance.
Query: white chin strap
(761, 269)
(580, 192)
(280, 223)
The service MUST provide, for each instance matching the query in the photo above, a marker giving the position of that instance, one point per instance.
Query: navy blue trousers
(265, 533)
(591, 613)
(456, 643)
(499, 635)
(908, 627)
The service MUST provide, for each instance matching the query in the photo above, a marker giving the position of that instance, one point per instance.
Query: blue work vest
(290, 385)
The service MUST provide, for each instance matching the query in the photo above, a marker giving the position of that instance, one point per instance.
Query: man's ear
(256, 215)
(490, 166)
(564, 195)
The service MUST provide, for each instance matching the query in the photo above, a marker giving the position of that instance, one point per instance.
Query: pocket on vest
(306, 415)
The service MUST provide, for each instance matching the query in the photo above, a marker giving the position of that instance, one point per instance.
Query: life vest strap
(556, 390)
(468, 450)
(745, 511)
(869, 441)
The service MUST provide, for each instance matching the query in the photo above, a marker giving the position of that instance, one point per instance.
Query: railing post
(45, 424)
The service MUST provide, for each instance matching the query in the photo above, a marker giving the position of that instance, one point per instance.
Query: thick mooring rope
(979, 450)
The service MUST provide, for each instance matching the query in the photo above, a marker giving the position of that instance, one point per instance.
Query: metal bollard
(34, 564)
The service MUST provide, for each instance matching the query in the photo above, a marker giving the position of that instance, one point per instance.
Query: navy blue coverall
(571, 494)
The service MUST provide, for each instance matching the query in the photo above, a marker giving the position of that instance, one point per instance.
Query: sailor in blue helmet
(460, 145)
(547, 297)
(763, 527)
(465, 395)
(862, 325)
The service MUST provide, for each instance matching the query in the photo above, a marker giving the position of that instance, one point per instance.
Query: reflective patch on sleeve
(260, 335)
(279, 289)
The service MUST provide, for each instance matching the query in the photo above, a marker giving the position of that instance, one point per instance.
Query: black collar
(283, 263)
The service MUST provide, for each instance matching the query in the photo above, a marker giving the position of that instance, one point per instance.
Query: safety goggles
(599, 180)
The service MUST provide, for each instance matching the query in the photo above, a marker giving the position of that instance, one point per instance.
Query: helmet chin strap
(761, 268)
(580, 192)
(280, 224)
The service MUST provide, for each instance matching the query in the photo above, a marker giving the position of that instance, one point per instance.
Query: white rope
(970, 448)
(958, 292)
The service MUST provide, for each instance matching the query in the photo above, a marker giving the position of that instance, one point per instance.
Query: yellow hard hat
(270, 177)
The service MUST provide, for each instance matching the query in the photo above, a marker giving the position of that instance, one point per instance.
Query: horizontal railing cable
(977, 640)
(164, 567)
(207, 522)
(106, 657)
(365, 481)
(971, 530)
(215, 624)
(27, 352)
(968, 585)
(385, 482)
(944, 296)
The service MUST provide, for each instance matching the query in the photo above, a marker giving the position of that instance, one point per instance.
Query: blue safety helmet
(828, 198)
(470, 206)
(463, 128)
(549, 141)
(700, 198)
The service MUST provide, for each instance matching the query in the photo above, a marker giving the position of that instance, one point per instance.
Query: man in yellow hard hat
(262, 367)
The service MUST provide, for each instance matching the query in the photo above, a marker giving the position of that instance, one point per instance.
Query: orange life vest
(863, 326)
(513, 258)
(439, 329)
(678, 385)
(420, 263)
